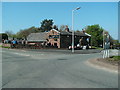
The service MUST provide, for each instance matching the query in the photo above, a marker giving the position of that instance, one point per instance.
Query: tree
(77, 31)
(24, 33)
(46, 25)
(62, 27)
(9, 33)
(115, 43)
(96, 33)
(55, 27)
(3, 36)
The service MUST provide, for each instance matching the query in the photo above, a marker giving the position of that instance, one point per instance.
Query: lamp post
(73, 27)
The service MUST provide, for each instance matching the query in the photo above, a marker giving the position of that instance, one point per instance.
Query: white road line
(28, 54)
(21, 54)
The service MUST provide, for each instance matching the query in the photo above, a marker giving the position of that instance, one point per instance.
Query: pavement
(66, 51)
(102, 65)
(53, 69)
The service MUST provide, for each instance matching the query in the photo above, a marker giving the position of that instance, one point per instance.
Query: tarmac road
(39, 69)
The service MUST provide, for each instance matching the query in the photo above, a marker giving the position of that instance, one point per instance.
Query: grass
(97, 48)
(115, 58)
(4, 46)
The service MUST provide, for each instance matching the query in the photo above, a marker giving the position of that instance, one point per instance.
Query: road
(36, 69)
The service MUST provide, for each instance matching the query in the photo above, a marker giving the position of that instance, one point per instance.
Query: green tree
(96, 33)
(116, 43)
(55, 27)
(10, 34)
(46, 25)
(3, 36)
(24, 33)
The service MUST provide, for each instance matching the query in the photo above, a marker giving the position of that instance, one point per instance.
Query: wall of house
(77, 39)
(65, 41)
(55, 41)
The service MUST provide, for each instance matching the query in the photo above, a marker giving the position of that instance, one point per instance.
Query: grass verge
(114, 58)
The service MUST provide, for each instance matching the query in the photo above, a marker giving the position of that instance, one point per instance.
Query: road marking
(41, 54)
(28, 54)
(21, 54)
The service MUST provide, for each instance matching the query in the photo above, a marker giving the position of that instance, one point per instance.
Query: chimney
(67, 29)
(83, 30)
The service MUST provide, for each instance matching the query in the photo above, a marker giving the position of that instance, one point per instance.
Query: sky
(60, 0)
(22, 15)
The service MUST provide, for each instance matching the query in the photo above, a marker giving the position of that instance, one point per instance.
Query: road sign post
(106, 46)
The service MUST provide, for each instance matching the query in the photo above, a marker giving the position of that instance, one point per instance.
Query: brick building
(61, 39)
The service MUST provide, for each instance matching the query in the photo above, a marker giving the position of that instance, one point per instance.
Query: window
(53, 36)
(55, 39)
(50, 36)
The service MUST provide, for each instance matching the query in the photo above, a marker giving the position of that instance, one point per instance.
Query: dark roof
(75, 33)
(80, 34)
(37, 37)
(65, 33)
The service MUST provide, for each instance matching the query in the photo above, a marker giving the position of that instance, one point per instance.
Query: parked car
(76, 47)
(71, 47)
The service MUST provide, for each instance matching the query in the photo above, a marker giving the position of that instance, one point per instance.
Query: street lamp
(73, 27)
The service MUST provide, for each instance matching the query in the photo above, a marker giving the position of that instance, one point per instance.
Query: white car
(71, 47)
(76, 47)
